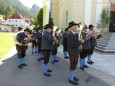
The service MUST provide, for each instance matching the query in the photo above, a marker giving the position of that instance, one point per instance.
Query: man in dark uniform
(55, 46)
(93, 44)
(64, 42)
(47, 46)
(85, 48)
(34, 43)
(73, 50)
(39, 43)
(22, 40)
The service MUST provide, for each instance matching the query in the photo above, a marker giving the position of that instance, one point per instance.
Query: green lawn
(6, 42)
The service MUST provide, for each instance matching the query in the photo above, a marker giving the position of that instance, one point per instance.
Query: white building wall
(19, 23)
(99, 8)
(87, 18)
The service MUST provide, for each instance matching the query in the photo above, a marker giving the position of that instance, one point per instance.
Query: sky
(29, 3)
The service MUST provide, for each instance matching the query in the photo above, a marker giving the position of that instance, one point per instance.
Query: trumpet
(95, 34)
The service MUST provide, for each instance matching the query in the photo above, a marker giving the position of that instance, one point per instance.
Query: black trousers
(39, 47)
(54, 50)
(90, 51)
(21, 51)
(46, 55)
(34, 43)
(64, 47)
(83, 53)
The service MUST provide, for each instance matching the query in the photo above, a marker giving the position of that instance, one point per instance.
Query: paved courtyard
(32, 75)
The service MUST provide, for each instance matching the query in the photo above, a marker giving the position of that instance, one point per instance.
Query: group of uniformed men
(46, 44)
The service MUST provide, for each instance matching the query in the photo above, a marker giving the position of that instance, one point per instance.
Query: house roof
(19, 16)
(16, 16)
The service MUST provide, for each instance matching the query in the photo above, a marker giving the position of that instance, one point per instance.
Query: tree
(50, 20)
(39, 19)
(6, 10)
(103, 23)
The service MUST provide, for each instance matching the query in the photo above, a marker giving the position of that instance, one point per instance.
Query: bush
(103, 23)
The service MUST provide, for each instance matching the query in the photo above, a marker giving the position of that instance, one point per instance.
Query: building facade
(17, 20)
(88, 11)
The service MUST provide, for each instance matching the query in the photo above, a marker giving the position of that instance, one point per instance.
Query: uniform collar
(73, 32)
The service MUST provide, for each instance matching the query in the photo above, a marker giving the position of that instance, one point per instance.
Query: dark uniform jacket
(20, 48)
(20, 37)
(57, 43)
(33, 36)
(39, 38)
(86, 45)
(64, 38)
(73, 43)
(93, 42)
(47, 41)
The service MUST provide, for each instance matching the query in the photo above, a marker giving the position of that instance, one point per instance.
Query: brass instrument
(56, 31)
(25, 42)
(81, 26)
(95, 34)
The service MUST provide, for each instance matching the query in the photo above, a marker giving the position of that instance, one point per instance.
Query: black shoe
(49, 70)
(73, 82)
(92, 62)
(35, 52)
(20, 67)
(66, 57)
(89, 63)
(85, 66)
(82, 68)
(47, 74)
(39, 59)
(42, 58)
(53, 62)
(56, 61)
(76, 79)
(24, 64)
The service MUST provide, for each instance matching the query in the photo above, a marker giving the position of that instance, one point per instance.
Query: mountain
(35, 9)
(17, 6)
